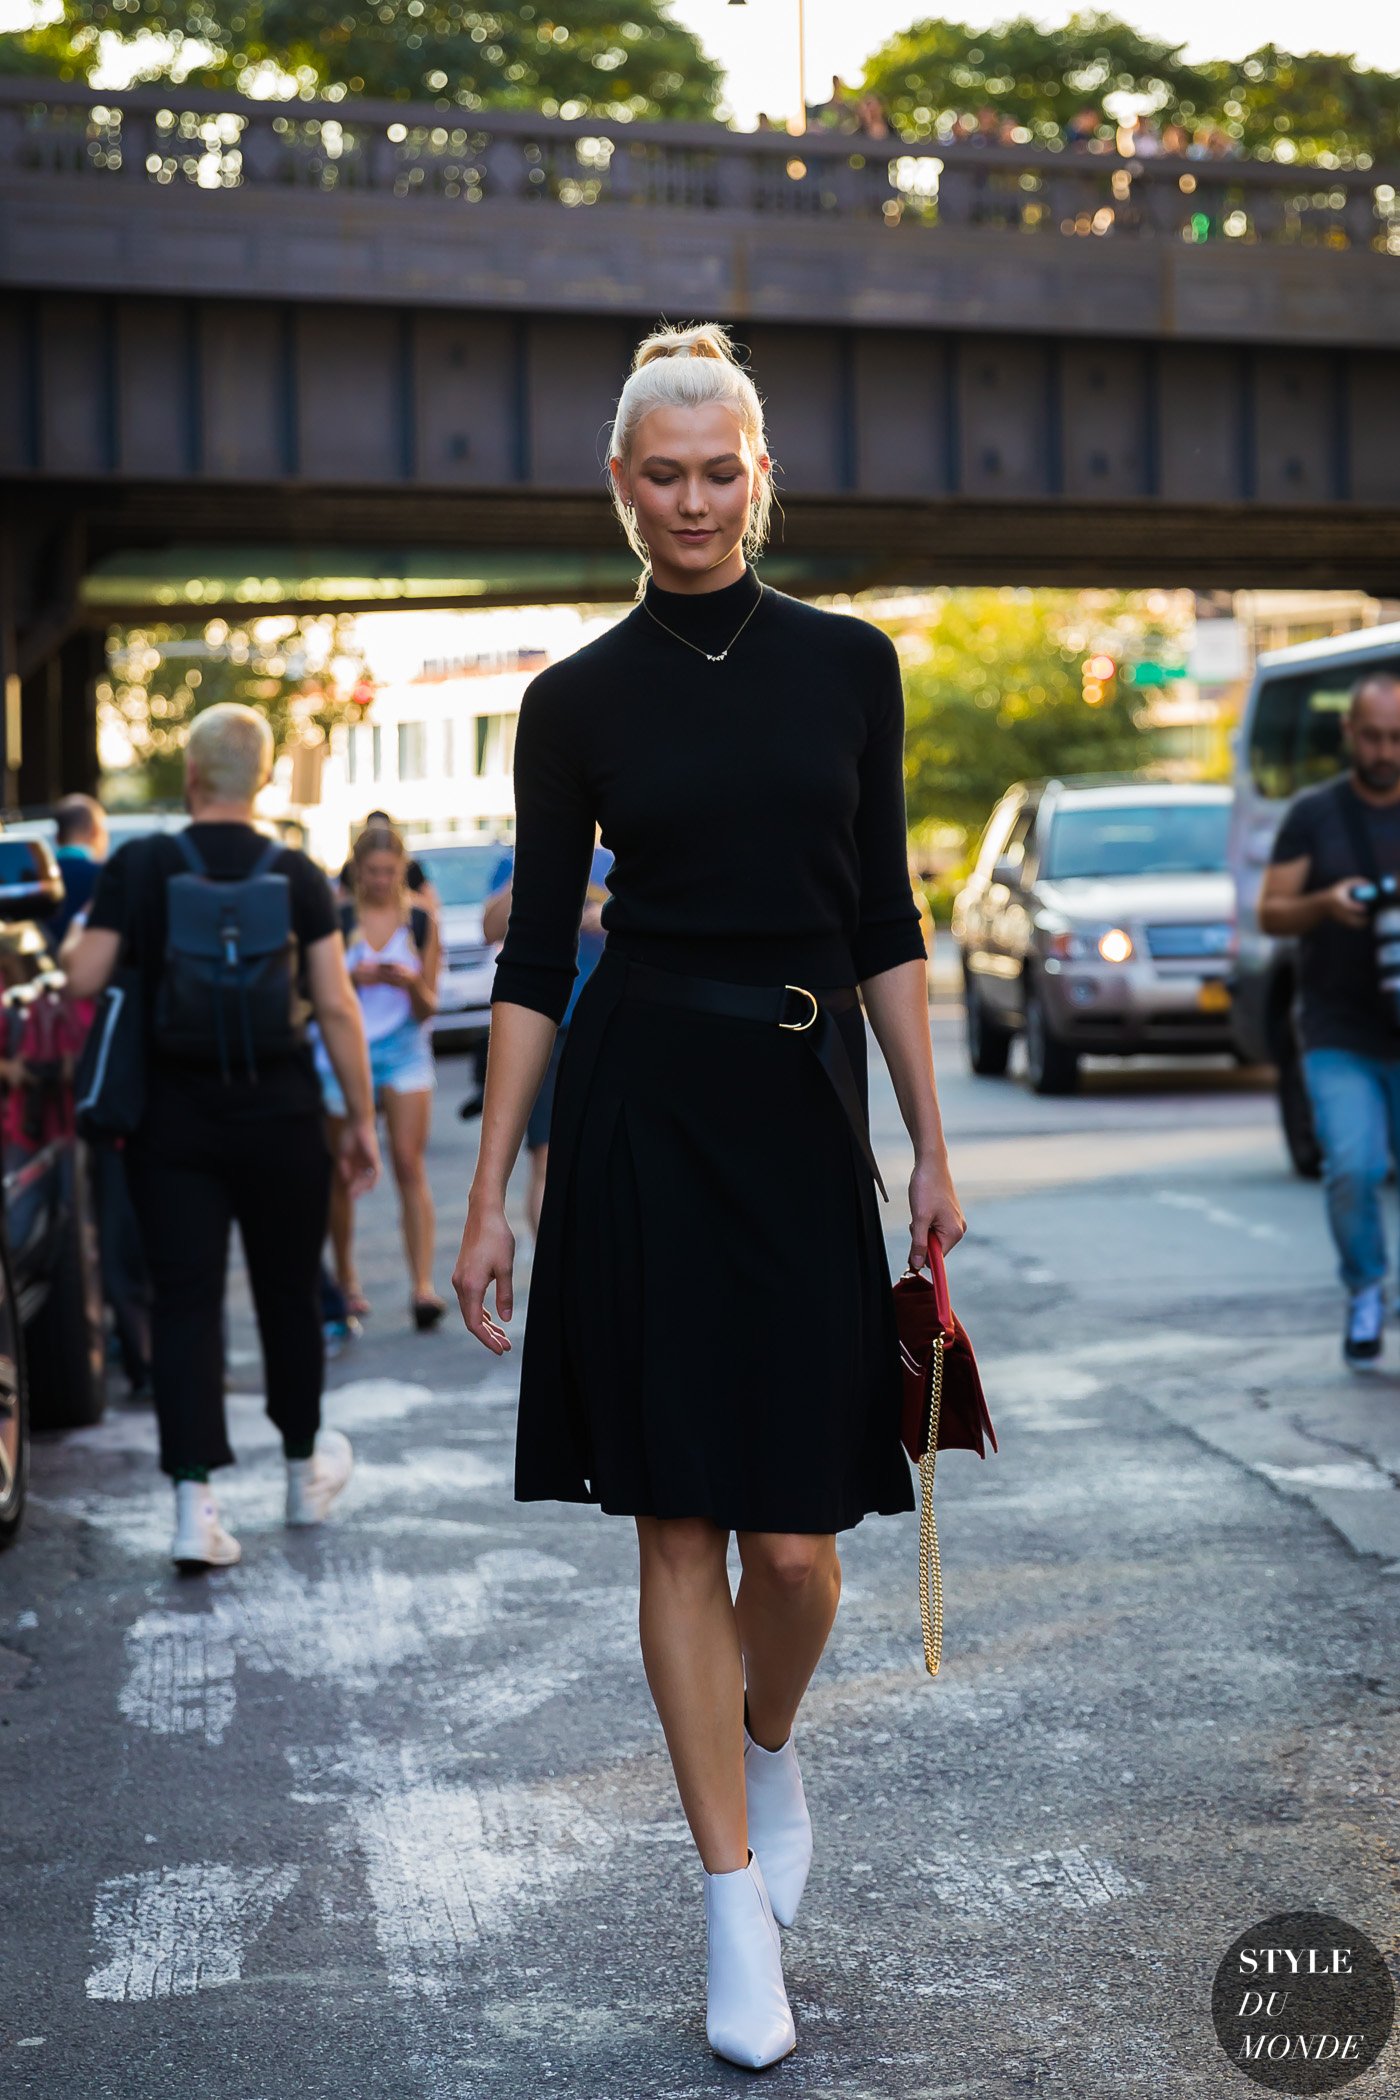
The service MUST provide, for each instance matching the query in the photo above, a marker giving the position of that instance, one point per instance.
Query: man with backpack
(230, 942)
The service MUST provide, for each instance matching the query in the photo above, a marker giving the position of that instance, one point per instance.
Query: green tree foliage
(1039, 77)
(589, 56)
(994, 693)
(300, 673)
(1318, 108)
(38, 53)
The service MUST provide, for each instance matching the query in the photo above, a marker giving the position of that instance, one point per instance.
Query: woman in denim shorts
(393, 953)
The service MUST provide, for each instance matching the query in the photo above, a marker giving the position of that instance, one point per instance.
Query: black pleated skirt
(709, 1328)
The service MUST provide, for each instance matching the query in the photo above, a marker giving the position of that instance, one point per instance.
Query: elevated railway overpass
(264, 354)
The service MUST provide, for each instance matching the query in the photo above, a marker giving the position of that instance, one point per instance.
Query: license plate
(1213, 997)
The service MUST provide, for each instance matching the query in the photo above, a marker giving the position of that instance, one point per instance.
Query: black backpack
(229, 992)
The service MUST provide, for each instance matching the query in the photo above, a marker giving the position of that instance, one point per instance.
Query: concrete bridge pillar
(58, 712)
(50, 664)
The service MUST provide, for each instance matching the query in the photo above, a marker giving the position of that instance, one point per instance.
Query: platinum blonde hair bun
(690, 368)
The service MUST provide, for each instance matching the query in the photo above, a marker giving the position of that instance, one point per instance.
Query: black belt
(788, 1006)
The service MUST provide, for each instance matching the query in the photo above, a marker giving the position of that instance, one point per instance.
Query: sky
(757, 43)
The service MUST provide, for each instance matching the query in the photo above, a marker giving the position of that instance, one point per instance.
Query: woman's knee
(681, 1549)
(410, 1167)
(787, 1561)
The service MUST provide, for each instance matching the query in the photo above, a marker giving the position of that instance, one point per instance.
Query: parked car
(51, 1316)
(124, 825)
(461, 872)
(1099, 917)
(1290, 738)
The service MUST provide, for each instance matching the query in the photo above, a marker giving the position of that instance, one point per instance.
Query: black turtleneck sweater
(755, 807)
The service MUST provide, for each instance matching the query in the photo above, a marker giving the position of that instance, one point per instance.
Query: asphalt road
(386, 1810)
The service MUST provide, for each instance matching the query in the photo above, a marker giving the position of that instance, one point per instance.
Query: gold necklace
(708, 656)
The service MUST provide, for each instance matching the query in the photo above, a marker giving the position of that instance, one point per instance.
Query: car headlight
(1067, 943)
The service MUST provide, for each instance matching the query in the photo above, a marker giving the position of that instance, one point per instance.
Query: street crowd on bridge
(1136, 136)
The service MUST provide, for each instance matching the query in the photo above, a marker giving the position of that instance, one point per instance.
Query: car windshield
(460, 874)
(1183, 838)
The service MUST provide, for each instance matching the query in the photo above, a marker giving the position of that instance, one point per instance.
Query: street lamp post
(799, 122)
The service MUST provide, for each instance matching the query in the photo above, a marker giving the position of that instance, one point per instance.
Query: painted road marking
(451, 1865)
(180, 1929)
(1071, 1879)
(180, 1676)
(1217, 1214)
(1354, 1473)
(352, 1626)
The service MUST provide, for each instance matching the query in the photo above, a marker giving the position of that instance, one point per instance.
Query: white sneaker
(200, 1539)
(748, 2019)
(313, 1483)
(780, 1829)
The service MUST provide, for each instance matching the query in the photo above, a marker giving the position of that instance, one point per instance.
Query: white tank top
(383, 1006)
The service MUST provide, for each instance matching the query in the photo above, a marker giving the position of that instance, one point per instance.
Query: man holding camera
(1333, 852)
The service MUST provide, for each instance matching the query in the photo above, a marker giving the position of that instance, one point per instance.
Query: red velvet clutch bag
(925, 1318)
(943, 1406)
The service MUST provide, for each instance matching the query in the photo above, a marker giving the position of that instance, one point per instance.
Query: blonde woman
(710, 1344)
(392, 949)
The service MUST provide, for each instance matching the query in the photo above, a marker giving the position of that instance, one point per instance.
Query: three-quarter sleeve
(110, 909)
(554, 831)
(887, 930)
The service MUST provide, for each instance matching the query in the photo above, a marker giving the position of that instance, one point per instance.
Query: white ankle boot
(749, 2021)
(200, 1539)
(780, 1829)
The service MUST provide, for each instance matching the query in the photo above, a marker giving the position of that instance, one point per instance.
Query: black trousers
(125, 1284)
(191, 1176)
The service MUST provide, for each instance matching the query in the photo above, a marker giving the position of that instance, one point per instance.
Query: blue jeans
(1356, 1109)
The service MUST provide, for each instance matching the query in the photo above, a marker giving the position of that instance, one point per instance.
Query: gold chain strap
(930, 1567)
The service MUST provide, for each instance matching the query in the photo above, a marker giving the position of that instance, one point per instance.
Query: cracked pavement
(387, 1809)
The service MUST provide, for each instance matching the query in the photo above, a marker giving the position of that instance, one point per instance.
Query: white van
(1290, 739)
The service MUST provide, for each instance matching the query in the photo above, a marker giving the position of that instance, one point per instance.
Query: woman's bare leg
(342, 1220)
(408, 1117)
(784, 1611)
(690, 1647)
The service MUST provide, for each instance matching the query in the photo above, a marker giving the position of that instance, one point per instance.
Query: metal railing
(185, 138)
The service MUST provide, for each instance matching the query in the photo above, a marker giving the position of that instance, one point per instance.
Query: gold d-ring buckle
(797, 1026)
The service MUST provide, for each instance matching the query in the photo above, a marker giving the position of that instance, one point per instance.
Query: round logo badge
(1303, 2003)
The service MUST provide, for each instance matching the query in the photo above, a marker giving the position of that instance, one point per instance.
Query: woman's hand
(399, 975)
(359, 1157)
(933, 1208)
(487, 1253)
(365, 973)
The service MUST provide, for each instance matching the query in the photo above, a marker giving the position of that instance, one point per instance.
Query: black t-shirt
(754, 805)
(1339, 993)
(130, 900)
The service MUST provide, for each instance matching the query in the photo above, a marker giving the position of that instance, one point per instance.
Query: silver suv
(1099, 918)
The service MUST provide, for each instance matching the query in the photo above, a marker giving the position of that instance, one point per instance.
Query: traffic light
(1098, 676)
